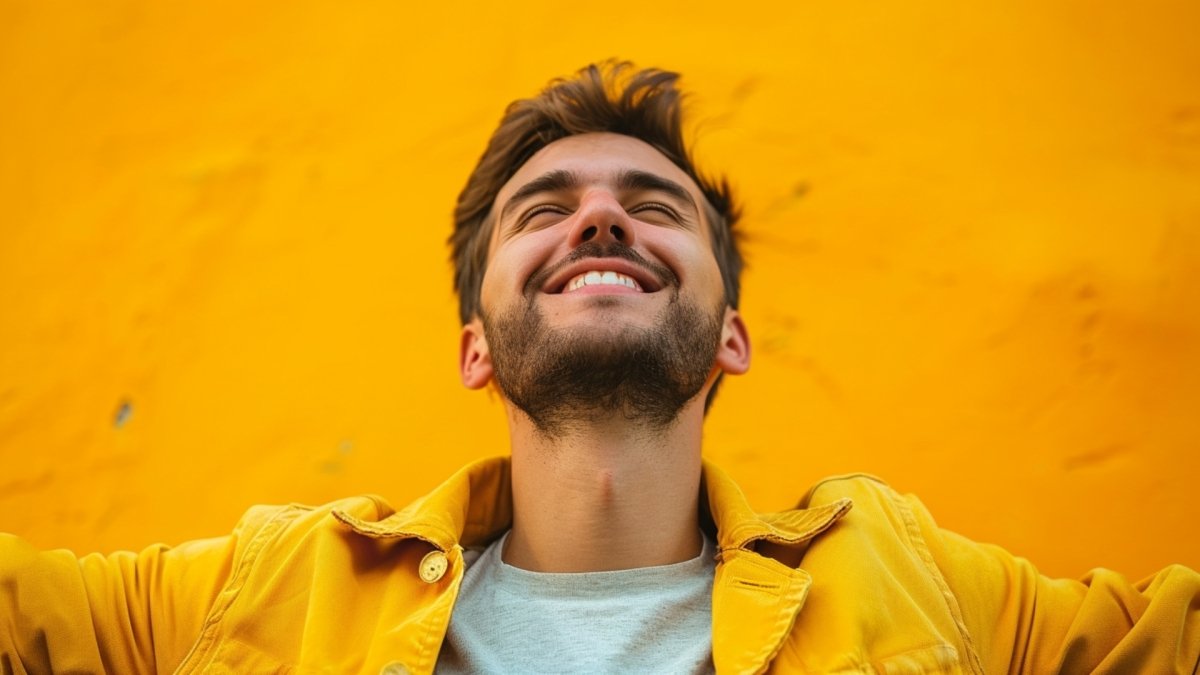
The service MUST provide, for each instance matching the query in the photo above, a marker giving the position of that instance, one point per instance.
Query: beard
(564, 379)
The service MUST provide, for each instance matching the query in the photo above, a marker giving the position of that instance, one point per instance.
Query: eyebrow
(561, 180)
(635, 180)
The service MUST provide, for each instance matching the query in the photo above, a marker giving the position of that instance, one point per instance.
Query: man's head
(592, 176)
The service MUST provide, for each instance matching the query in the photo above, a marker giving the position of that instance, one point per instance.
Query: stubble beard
(567, 379)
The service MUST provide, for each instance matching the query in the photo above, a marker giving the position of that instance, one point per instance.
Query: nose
(601, 219)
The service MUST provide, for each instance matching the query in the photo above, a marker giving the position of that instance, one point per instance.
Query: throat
(582, 508)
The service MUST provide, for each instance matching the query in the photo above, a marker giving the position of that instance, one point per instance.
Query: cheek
(693, 261)
(509, 266)
(709, 277)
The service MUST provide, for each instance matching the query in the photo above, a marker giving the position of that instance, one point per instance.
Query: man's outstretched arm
(122, 613)
(1022, 622)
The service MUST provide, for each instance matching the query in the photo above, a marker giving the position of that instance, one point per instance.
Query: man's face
(602, 293)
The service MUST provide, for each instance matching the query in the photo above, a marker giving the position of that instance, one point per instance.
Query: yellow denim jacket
(356, 587)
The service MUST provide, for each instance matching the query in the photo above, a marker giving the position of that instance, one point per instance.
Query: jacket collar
(739, 527)
(472, 507)
(475, 506)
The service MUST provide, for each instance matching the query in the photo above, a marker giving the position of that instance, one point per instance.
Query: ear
(733, 354)
(474, 360)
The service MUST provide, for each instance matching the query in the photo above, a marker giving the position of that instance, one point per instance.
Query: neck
(605, 495)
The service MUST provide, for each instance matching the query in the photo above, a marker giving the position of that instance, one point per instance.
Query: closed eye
(656, 206)
(539, 210)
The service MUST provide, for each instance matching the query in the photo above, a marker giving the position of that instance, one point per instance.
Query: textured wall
(973, 235)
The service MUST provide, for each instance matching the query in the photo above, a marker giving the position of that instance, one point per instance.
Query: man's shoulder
(263, 518)
(877, 509)
(858, 487)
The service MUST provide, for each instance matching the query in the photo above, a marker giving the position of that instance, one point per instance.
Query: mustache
(590, 249)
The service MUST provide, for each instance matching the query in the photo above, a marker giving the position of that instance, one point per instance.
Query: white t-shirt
(646, 620)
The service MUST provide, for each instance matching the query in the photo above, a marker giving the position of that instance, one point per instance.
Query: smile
(594, 274)
(597, 278)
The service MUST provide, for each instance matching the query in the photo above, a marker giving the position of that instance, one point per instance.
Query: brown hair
(600, 98)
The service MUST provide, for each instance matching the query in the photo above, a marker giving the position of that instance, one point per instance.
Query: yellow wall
(973, 235)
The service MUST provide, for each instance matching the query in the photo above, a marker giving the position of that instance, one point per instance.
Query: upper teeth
(595, 278)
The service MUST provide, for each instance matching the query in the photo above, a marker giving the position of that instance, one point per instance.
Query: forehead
(597, 158)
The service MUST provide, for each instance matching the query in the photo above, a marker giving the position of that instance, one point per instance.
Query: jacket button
(394, 668)
(433, 566)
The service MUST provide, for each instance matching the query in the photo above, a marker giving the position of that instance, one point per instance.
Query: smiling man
(604, 320)
(597, 273)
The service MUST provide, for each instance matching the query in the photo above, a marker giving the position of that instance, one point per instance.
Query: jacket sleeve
(1019, 621)
(121, 613)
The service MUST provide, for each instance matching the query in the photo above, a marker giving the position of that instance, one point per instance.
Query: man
(598, 280)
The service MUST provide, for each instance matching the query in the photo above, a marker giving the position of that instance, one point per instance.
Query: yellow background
(973, 234)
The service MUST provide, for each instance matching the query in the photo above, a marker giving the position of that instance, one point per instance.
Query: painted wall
(973, 233)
